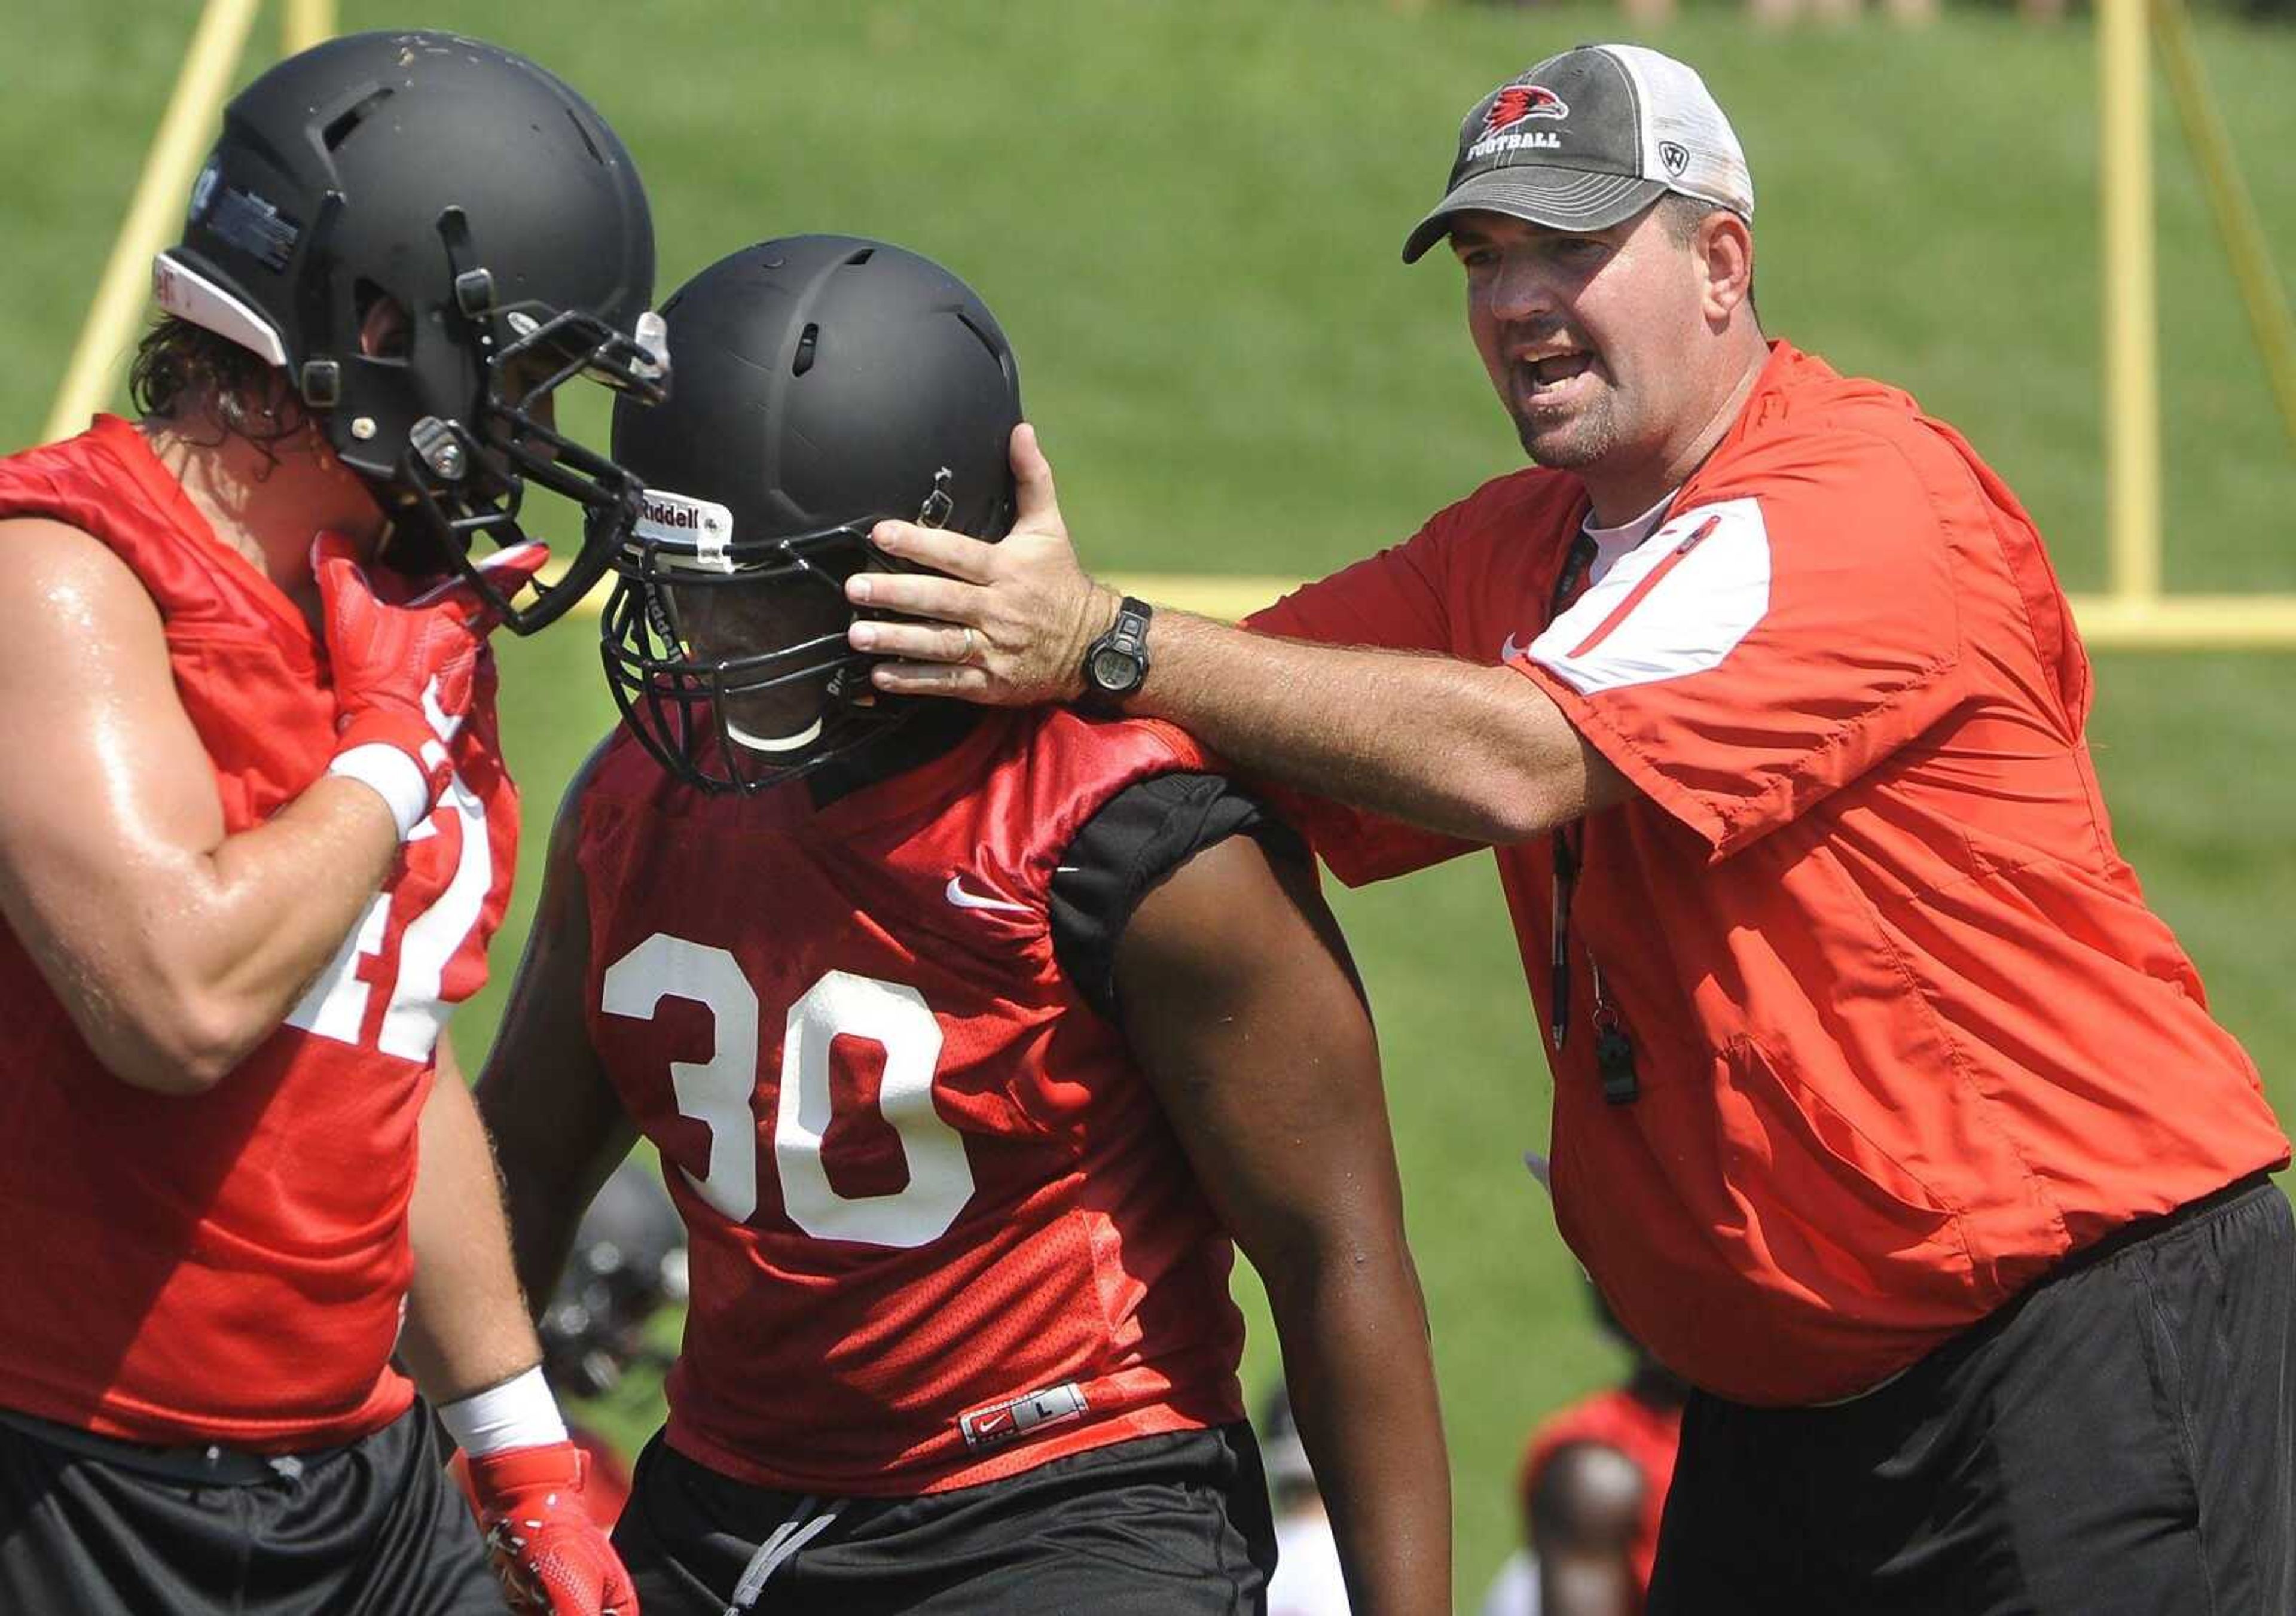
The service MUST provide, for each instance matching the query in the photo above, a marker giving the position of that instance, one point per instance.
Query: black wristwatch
(1115, 664)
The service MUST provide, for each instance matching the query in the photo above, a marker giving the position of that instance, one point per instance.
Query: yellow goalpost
(185, 129)
(2134, 612)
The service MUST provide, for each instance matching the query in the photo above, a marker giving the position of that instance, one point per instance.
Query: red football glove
(551, 1555)
(405, 671)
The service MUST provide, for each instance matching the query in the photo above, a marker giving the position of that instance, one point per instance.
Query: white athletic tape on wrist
(391, 775)
(519, 1413)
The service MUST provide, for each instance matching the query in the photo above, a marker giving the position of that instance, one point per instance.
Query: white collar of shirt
(1611, 543)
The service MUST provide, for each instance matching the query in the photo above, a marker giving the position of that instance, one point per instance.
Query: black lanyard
(1614, 1052)
(1565, 843)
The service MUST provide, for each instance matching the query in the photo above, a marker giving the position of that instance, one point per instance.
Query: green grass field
(1188, 216)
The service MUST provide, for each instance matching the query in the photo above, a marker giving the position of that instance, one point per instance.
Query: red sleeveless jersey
(228, 1268)
(940, 1230)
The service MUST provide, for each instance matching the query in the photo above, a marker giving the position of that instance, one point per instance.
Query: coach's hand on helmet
(1009, 622)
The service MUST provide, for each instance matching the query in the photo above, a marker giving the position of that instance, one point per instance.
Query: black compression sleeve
(1138, 837)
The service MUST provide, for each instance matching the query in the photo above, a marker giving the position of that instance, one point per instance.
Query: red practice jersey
(229, 1268)
(1647, 1435)
(940, 1231)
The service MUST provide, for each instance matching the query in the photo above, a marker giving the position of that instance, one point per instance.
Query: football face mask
(469, 481)
(734, 672)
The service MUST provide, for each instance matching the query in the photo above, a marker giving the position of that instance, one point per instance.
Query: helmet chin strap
(775, 743)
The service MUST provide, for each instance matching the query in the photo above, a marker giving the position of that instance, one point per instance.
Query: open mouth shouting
(1553, 378)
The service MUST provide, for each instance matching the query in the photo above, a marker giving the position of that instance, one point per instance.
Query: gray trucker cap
(1588, 139)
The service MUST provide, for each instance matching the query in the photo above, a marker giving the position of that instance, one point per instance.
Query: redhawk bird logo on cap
(1518, 102)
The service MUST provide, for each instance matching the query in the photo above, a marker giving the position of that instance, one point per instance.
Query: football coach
(1885, 1111)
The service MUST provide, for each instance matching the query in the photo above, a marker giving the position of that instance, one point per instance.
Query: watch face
(1114, 670)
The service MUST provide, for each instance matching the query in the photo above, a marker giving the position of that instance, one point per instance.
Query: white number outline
(334, 1006)
(715, 1093)
(720, 1093)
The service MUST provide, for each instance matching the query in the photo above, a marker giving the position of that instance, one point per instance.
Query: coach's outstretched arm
(1472, 752)
(1235, 994)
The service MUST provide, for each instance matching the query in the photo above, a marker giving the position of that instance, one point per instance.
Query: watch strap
(1127, 639)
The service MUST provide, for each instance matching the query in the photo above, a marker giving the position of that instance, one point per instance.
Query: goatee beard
(1569, 446)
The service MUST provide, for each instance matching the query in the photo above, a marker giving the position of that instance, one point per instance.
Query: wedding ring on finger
(966, 656)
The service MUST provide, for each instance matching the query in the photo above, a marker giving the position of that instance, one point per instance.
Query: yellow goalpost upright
(202, 89)
(211, 59)
(2134, 612)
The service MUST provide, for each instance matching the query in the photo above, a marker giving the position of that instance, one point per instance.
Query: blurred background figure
(1307, 1580)
(1645, 14)
(1593, 1489)
(1776, 12)
(1650, 13)
(628, 1263)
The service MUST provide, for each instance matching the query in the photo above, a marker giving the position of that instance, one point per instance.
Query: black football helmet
(628, 1262)
(826, 382)
(496, 207)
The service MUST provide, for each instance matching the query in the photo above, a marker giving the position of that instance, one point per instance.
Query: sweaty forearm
(1357, 1367)
(286, 894)
(1471, 751)
(557, 1128)
(554, 1118)
(466, 1324)
(544, 1214)
(175, 982)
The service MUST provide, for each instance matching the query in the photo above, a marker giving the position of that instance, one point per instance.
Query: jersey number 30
(718, 1092)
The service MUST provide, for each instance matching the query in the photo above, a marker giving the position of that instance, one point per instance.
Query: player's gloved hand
(405, 671)
(551, 1555)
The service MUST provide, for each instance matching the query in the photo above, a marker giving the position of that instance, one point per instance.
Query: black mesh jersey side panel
(1138, 837)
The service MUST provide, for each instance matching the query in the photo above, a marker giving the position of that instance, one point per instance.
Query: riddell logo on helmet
(676, 518)
(681, 520)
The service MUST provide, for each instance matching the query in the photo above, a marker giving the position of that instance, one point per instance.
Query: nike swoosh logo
(1510, 650)
(957, 894)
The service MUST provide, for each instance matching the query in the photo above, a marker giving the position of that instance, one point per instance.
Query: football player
(1308, 1581)
(1591, 1490)
(968, 1041)
(255, 834)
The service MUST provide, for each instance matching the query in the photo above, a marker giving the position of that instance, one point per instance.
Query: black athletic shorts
(2115, 1442)
(1174, 1525)
(90, 1527)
